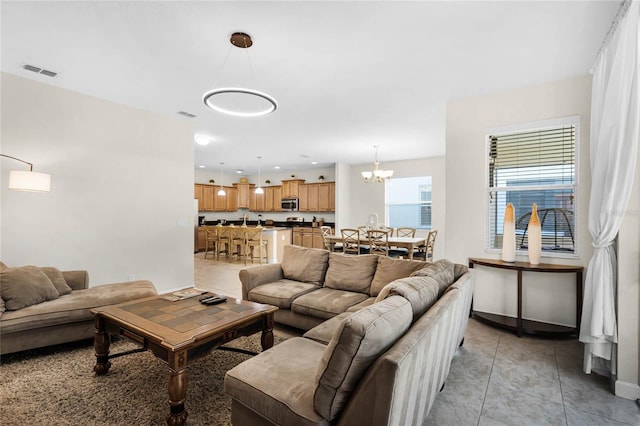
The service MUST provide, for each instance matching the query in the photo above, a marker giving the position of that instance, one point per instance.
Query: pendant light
(243, 41)
(377, 174)
(259, 189)
(221, 191)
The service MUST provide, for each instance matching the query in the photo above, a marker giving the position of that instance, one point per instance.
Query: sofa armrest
(77, 280)
(253, 277)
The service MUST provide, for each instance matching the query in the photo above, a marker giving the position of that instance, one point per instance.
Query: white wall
(367, 198)
(121, 200)
(547, 297)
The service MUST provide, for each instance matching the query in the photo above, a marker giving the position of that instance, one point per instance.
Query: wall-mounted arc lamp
(22, 180)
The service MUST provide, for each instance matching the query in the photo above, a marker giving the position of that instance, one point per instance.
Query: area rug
(57, 386)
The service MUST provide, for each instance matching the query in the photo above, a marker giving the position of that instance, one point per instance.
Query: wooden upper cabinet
(220, 201)
(272, 197)
(257, 201)
(291, 188)
(327, 197)
(197, 194)
(207, 198)
(244, 194)
(313, 196)
(232, 199)
(303, 198)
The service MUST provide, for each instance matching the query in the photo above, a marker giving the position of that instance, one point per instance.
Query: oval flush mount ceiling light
(226, 101)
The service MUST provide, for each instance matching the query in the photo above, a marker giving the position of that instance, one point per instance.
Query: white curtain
(615, 117)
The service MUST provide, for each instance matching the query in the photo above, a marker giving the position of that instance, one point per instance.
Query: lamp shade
(29, 181)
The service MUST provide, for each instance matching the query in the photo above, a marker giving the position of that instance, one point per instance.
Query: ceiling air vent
(186, 114)
(39, 70)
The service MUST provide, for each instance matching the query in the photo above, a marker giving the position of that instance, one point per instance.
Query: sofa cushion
(304, 264)
(57, 279)
(280, 293)
(324, 331)
(356, 344)
(441, 270)
(390, 270)
(74, 307)
(25, 286)
(361, 305)
(326, 302)
(278, 384)
(421, 292)
(351, 273)
(459, 270)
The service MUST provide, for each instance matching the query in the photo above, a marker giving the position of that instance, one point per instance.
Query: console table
(528, 326)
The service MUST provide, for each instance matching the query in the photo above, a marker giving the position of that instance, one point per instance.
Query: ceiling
(346, 75)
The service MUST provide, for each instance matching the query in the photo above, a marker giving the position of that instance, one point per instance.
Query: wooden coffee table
(177, 333)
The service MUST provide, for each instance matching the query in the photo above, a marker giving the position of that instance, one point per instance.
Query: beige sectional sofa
(44, 306)
(378, 362)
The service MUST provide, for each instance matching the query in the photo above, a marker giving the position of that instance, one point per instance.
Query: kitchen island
(275, 236)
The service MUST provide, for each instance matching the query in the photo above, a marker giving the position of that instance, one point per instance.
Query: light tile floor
(496, 378)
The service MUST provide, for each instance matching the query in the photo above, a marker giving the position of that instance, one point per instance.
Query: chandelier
(377, 175)
(234, 96)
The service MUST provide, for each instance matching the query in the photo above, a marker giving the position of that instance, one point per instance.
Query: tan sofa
(44, 306)
(382, 364)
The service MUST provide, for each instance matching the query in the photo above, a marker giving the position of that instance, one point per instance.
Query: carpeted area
(57, 386)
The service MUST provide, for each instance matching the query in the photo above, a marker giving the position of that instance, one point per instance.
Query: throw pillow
(359, 340)
(307, 265)
(421, 292)
(441, 270)
(351, 273)
(56, 277)
(390, 270)
(25, 286)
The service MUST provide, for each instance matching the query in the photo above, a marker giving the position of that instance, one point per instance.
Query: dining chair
(378, 241)
(350, 240)
(253, 240)
(406, 232)
(211, 240)
(326, 230)
(426, 251)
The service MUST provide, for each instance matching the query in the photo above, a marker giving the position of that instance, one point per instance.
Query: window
(408, 202)
(534, 165)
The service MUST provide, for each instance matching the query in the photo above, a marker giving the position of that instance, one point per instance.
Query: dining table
(410, 243)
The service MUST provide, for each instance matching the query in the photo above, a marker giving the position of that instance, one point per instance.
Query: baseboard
(627, 390)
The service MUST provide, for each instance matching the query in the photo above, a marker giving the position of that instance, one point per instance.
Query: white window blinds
(534, 166)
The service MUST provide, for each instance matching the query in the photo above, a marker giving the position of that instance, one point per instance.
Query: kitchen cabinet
(257, 202)
(202, 239)
(291, 188)
(204, 194)
(303, 198)
(207, 198)
(245, 192)
(317, 197)
(308, 237)
(272, 198)
(197, 194)
(232, 199)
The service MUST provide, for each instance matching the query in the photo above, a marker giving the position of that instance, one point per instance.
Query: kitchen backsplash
(276, 216)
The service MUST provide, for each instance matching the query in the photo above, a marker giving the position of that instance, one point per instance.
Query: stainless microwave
(289, 204)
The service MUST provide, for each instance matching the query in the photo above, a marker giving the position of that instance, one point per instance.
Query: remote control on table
(213, 300)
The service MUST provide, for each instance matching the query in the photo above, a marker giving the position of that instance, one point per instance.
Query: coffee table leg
(267, 334)
(101, 342)
(177, 396)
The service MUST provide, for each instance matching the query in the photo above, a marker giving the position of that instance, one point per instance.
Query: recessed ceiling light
(314, 162)
(238, 171)
(276, 167)
(202, 167)
(202, 140)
